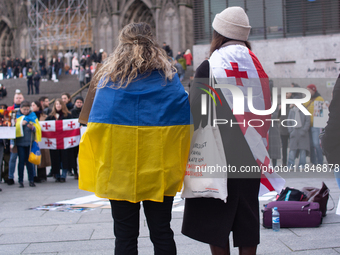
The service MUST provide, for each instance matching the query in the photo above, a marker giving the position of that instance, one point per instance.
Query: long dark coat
(210, 220)
(331, 139)
(61, 159)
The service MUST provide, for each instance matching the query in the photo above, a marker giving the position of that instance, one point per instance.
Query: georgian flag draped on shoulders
(237, 65)
(137, 141)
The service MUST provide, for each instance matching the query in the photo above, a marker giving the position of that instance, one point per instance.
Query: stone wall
(303, 60)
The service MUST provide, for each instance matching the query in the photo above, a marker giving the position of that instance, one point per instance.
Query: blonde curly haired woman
(137, 140)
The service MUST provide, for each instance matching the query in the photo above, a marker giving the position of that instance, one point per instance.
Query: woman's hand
(24, 122)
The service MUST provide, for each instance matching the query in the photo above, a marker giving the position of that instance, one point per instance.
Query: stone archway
(6, 40)
(138, 11)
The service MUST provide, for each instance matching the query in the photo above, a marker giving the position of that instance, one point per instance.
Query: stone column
(116, 30)
(156, 12)
(186, 19)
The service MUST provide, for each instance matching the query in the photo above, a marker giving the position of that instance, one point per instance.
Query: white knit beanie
(232, 23)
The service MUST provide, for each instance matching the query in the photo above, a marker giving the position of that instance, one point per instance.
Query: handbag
(318, 195)
(290, 194)
(206, 155)
(35, 154)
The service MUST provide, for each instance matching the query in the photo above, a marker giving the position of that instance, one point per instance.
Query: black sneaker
(76, 176)
(62, 180)
(10, 182)
(21, 185)
(57, 179)
(50, 175)
(32, 184)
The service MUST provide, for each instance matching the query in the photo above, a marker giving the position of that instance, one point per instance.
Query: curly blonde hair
(137, 53)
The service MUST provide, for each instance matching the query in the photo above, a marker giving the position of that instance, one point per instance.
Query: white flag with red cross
(59, 134)
(238, 66)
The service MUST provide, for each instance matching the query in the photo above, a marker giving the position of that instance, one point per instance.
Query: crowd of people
(302, 139)
(49, 70)
(28, 115)
(181, 61)
(15, 67)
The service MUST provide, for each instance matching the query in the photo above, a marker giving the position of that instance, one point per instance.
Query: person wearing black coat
(3, 91)
(4, 68)
(42, 65)
(9, 67)
(16, 68)
(60, 159)
(330, 140)
(211, 220)
(75, 112)
(66, 97)
(23, 67)
(36, 82)
(54, 64)
(94, 57)
(29, 63)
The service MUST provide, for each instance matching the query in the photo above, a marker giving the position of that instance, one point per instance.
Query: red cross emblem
(48, 142)
(236, 73)
(72, 141)
(71, 124)
(46, 126)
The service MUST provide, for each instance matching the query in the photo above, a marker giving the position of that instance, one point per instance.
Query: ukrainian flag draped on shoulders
(30, 118)
(137, 141)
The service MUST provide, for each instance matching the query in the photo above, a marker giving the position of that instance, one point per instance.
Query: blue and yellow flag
(30, 118)
(137, 140)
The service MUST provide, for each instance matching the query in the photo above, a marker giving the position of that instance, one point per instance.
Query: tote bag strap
(211, 104)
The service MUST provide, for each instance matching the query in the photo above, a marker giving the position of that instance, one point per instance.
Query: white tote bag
(206, 173)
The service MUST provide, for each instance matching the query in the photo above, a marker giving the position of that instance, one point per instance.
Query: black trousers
(30, 87)
(126, 226)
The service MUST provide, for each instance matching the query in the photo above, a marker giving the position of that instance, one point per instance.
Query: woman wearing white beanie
(211, 220)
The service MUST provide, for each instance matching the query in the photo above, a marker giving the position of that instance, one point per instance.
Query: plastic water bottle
(275, 219)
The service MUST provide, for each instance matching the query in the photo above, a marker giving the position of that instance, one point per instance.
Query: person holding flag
(27, 130)
(60, 158)
(137, 141)
(232, 62)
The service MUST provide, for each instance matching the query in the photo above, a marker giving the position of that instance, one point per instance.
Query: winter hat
(232, 23)
(312, 87)
(79, 98)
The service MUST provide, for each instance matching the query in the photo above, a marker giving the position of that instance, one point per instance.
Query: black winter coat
(241, 212)
(331, 138)
(64, 157)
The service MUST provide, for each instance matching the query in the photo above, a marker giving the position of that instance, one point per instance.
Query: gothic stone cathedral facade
(172, 22)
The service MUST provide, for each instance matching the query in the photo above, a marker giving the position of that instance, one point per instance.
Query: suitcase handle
(302, 207)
